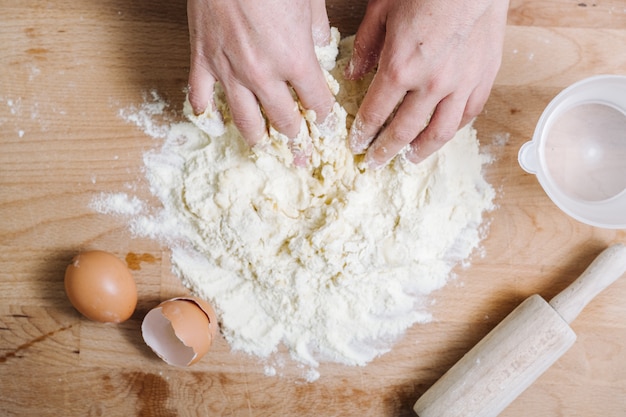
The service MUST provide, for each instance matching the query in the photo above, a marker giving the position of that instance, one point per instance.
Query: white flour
(332, 261)
(118, 203)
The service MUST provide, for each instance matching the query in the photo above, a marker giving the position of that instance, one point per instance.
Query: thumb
(368, 43)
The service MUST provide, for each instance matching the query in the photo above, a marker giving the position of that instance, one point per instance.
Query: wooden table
(67, 68)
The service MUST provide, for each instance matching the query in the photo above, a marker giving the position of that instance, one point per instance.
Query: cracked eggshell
(181, 330)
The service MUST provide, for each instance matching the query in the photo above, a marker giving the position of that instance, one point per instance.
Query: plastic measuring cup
(578, 151)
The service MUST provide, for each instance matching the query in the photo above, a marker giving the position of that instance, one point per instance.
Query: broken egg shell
(180, 330)
(100, 286)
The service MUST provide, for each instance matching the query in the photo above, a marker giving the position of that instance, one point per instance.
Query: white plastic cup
(578, 151)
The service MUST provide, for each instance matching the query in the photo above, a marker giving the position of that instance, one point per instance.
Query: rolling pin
(520, 348)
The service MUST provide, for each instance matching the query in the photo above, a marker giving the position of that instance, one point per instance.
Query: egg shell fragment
(100, 286)
(180, 330)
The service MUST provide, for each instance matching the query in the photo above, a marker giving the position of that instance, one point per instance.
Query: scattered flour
(333, 261)
(118, 203)
(144, 116)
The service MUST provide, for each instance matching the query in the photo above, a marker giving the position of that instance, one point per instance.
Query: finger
(409, 120)
(476, 102)
(473, 108)
(313, 92)
(301, 149)
(442, 127)
(378, 104)
(284, 115)
(368, 44)
(320, 24)
(309, 83)
(280, 108)
(201, 85)
(245, 113)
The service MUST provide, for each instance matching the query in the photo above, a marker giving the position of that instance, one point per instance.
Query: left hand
(437, 61)
(260, 51)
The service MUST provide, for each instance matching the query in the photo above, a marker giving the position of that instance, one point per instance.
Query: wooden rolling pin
(520, 348)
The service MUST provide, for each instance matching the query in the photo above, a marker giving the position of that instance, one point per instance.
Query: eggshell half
(181, 330)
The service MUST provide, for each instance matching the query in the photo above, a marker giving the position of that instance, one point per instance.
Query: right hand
(437, 61)
(259, 50)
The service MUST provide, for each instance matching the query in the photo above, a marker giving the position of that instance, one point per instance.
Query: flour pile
(333, 261)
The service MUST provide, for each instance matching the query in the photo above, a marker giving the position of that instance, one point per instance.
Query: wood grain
(68, 68)
(603, 14)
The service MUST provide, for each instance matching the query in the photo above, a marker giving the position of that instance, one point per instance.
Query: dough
(332, 261)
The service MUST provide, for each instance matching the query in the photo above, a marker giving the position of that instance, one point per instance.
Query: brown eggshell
(180, 331)
(100, 286)
(208, 310)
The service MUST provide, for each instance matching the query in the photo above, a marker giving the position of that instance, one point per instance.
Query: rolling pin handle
(603, 271)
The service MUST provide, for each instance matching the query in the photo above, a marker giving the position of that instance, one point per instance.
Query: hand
(259, 51)
(437, 61)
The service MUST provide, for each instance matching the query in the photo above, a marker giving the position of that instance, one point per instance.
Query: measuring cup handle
(527, 157)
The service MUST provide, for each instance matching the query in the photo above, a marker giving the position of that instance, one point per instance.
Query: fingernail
(373, 163)
(356, 140)
(194, 106)
(300, 153)
(412, 154)
(349, 70)
(353, 65)
(376, 151)
(300, 159)
(329, 124)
